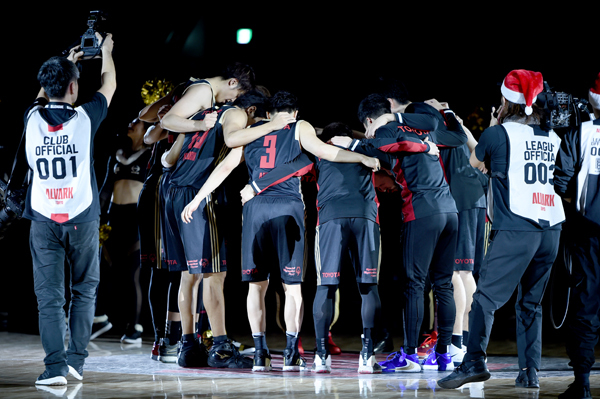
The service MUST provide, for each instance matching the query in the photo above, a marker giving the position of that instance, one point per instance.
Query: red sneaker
(428, 344)
(154, 352)
(333, 348)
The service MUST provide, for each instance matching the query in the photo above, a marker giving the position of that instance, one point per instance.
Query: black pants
(50, 244)
(429, 245)
(583, 318)
(514, 259)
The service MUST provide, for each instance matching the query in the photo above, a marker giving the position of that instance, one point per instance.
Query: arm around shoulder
(108, 74)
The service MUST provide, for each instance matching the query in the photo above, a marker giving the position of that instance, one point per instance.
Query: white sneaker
(321, 365)
(368, 366)
(45, 379)
(457, 354)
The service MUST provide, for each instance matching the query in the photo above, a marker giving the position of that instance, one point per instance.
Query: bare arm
(170, 157)
(218, 175)
(243, 136)
(312, 144)
(156, 132)
(150, 112)
(108, 75)
(196, 98)
(476, 163)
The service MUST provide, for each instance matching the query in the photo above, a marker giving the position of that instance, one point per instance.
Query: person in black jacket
(576, 179)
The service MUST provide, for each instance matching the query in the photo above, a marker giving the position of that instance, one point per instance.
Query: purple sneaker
(437, 361)
(400, 362)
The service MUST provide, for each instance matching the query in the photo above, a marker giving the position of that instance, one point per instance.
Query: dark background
(328, 56)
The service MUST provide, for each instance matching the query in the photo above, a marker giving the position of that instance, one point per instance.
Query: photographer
(62, 204)
(576, 180)
(526, 224)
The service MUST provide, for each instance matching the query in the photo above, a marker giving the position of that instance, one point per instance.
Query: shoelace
(431, 338)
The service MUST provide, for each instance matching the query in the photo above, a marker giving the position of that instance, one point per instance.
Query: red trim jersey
(421, 176)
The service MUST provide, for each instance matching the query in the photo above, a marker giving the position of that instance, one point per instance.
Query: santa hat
(522, 87)
(595, 93)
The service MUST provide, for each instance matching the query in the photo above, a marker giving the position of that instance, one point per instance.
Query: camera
(12, 203)
(562, 109)
(90, 45)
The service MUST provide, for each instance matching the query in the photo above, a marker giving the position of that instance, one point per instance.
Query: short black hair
(373, 106)
(55, 75)
(243, 73)
(335, 129)
(282, 101)
(392, 88)
(253, 98)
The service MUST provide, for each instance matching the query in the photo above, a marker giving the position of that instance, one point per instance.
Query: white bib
(530, 173)
(590, 160)
(60, 159)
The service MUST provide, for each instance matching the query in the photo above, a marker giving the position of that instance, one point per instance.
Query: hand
(190, 208)
(341, 141)
(436, 104)
(247, 194)
(494, 118)
(107, 44)
(281, 120)
(372, 163)
(210, 120)
(162, 111)
(379, 122)
(433, 148)
(482, 168)
(74, 54)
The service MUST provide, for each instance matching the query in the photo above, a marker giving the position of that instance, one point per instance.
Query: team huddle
(450, 187)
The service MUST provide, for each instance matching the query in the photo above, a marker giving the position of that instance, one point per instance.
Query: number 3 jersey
(59, 146)
(274, 149)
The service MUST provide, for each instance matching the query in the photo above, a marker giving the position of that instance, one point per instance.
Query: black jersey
(465, 181)
(200, 153)
(425, 190)
(275, 149)
(345, 190)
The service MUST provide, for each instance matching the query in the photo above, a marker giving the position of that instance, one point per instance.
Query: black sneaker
(262, 360)
(133, 335)
(466, 372)
(226, 355)
(100, 328)
(47, 379)
(527, 378)
(192, 355)
(292, 361)
(576, 391)
(167, 353)
(385, 345)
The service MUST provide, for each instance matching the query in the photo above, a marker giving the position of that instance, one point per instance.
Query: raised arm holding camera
(63, 206)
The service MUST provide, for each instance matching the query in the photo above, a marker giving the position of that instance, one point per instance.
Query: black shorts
(149, 224)
(273, 233)
(167, 239)
(197, 246)
(337, 239)
(470, 243)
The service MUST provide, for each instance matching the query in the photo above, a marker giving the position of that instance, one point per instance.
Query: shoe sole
(292, 368)
(368, 370)
(261, 369)
(131, 341)
(167, 359)
(75, 374)
(54, 381)
(452, 384)
(527, 386)
(321, 371)
(101, 331)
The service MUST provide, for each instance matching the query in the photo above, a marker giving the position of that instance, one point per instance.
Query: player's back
(274, 149)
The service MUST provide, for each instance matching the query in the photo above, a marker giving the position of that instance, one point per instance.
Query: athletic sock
(367, 341)
(441, 348)
(173, 331)
(457, 340)
(219, 339)
(188, 340)
(291, 339)
(260, 341)
(410, 351)
(465, 337)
